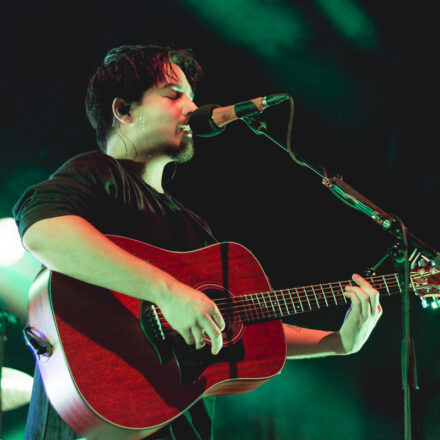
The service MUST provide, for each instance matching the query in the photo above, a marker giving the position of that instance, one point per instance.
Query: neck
(153, 172)
(151, 165)
(278, 304)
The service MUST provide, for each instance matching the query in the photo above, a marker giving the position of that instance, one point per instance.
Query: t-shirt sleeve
(82, 186)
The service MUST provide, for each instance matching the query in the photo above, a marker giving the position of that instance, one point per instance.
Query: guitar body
(112, 376)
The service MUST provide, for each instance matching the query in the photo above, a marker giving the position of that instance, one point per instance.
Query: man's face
(161, 118)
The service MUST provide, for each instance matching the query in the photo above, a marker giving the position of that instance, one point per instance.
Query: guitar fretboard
(287, 302)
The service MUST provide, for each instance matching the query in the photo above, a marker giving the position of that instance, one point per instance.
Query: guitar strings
(316, 289)
(266, 313)
(260, 315)
(243, 302)
(309, 293)
(320, 289)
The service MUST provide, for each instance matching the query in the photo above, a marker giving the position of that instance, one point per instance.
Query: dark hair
(127, 71)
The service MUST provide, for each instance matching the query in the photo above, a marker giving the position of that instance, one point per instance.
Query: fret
(277, 302)
(281, 303)
(246, 314)
(291, 301)
(275, 313)
(267, 302)
(342, 290)
(262, 296)
(262, 309)
(386, 285)
(323, 294)
(253, 308)
(307, 298)
(333, 293)
(259, 303)
(299, 298)
(284, 299)
(316, 298)
(376, 284)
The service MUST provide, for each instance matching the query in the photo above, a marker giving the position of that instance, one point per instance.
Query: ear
(121, 111)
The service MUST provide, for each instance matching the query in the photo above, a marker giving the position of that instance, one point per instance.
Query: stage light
(11, 249)
(17, 270)
(351, 21)
(248, 24)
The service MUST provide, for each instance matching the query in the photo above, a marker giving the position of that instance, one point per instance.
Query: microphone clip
(255, 123)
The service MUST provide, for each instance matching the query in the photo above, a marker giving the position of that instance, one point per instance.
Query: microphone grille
(201, 122)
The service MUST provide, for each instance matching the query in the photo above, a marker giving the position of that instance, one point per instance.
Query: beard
(185, 152)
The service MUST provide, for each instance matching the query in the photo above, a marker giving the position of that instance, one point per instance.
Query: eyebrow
(178, 87)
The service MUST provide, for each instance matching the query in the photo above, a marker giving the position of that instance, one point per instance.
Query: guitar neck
(278, 304)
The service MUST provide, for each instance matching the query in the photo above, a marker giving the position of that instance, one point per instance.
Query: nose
(188, 107)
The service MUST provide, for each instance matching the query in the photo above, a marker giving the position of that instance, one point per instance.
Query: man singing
(139, 101)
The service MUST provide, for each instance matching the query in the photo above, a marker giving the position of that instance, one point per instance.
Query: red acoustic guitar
(114, 369)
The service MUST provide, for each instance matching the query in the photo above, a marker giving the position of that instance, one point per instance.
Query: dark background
(363, 76)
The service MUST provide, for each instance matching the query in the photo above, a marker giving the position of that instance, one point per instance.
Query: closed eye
(173, 94)
(175, 91)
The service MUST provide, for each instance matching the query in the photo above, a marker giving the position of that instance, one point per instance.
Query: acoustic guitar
(114, 369)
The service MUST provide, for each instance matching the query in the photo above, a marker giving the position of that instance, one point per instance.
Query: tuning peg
(433, 303)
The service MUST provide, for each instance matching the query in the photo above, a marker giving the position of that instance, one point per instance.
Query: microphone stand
(392, 224)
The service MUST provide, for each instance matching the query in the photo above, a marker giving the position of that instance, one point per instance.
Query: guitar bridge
(159, 331)
(155, 332)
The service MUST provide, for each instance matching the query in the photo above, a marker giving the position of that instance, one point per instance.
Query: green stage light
(351, 21)
(266, 28)
(286, 38)
(11, 249)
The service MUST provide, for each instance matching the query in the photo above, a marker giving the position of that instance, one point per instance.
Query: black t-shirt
(111, 195)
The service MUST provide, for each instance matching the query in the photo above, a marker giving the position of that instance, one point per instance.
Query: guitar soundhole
(229, 307)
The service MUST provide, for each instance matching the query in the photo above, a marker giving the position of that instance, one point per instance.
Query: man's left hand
(364, 314)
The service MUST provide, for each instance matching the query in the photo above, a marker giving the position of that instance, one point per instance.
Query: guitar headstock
(425, 282)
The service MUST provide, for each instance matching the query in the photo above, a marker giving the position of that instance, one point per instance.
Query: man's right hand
(72, 246)
(191, 313)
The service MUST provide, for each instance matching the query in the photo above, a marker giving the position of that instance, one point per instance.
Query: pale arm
(309, 343)
(72, 246)
(365, 312)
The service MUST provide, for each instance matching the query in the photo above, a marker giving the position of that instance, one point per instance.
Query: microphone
(210, 120)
